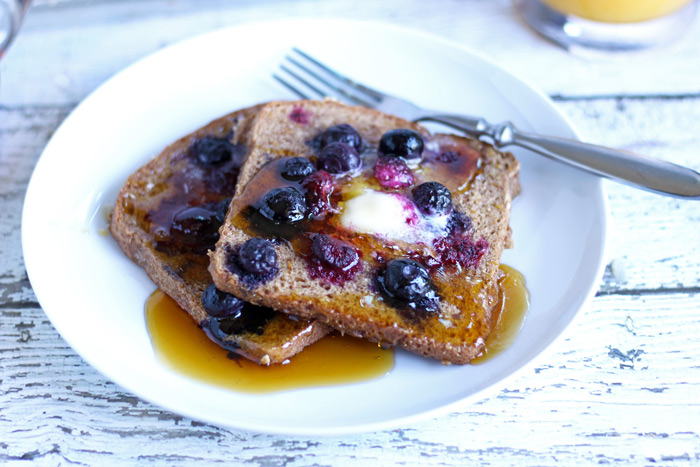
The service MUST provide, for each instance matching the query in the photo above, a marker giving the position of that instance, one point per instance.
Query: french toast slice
(364, 232)
(166, 217)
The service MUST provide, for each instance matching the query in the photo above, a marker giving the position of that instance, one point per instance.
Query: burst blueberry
(319, 187)
(334, 252)
(392, 172)
(219, 304)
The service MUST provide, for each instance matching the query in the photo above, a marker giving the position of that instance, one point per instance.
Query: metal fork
(309, 78)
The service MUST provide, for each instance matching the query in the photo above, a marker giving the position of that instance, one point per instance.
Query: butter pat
(391, 216)
(377, 213)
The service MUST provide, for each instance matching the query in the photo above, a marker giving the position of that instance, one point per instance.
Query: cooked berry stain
(447, 157)
(461, 251)
(300, 115)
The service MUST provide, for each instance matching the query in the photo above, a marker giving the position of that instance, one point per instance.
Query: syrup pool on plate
(334, 360)
(513, 303)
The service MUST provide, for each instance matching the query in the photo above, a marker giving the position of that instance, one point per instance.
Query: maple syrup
(445, 247)
(333, 360)
(513, 303)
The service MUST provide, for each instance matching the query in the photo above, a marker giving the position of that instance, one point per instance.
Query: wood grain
(72, 67)
(602, 395)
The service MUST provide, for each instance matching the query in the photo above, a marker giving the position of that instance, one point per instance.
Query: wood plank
(23, 135)
(72, 67)
(653, 240)
(602, 395)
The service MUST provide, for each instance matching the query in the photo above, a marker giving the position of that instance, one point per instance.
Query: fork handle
(633, 169)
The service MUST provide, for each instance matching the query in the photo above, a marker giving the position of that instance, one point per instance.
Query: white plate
(95, 296)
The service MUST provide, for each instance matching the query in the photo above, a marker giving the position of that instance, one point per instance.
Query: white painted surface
(622, 387)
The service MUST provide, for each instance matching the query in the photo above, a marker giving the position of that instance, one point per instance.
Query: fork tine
(303, 81)
(352, 97)
(374, 94)
(290, 87)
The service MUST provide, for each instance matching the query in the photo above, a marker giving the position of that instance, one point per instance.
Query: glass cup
(11, 14)
(608, 26)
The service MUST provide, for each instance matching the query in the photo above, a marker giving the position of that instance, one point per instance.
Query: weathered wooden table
(622, 387)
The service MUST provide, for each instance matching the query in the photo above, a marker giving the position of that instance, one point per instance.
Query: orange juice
(617, 11)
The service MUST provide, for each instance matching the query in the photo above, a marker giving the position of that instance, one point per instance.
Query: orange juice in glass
(608, 25)
(617, 11)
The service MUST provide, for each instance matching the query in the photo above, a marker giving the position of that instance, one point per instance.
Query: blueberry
(220, 304)
(257, 256)
(432, 198)
(334, 252)
(296, 168)
(221, 209)
(252, 319)
(283, 206)
(210, 151)
(459, 223)
(197, 224)
(407, 281)
(338, 158)
(401, 143)
(342, 133)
